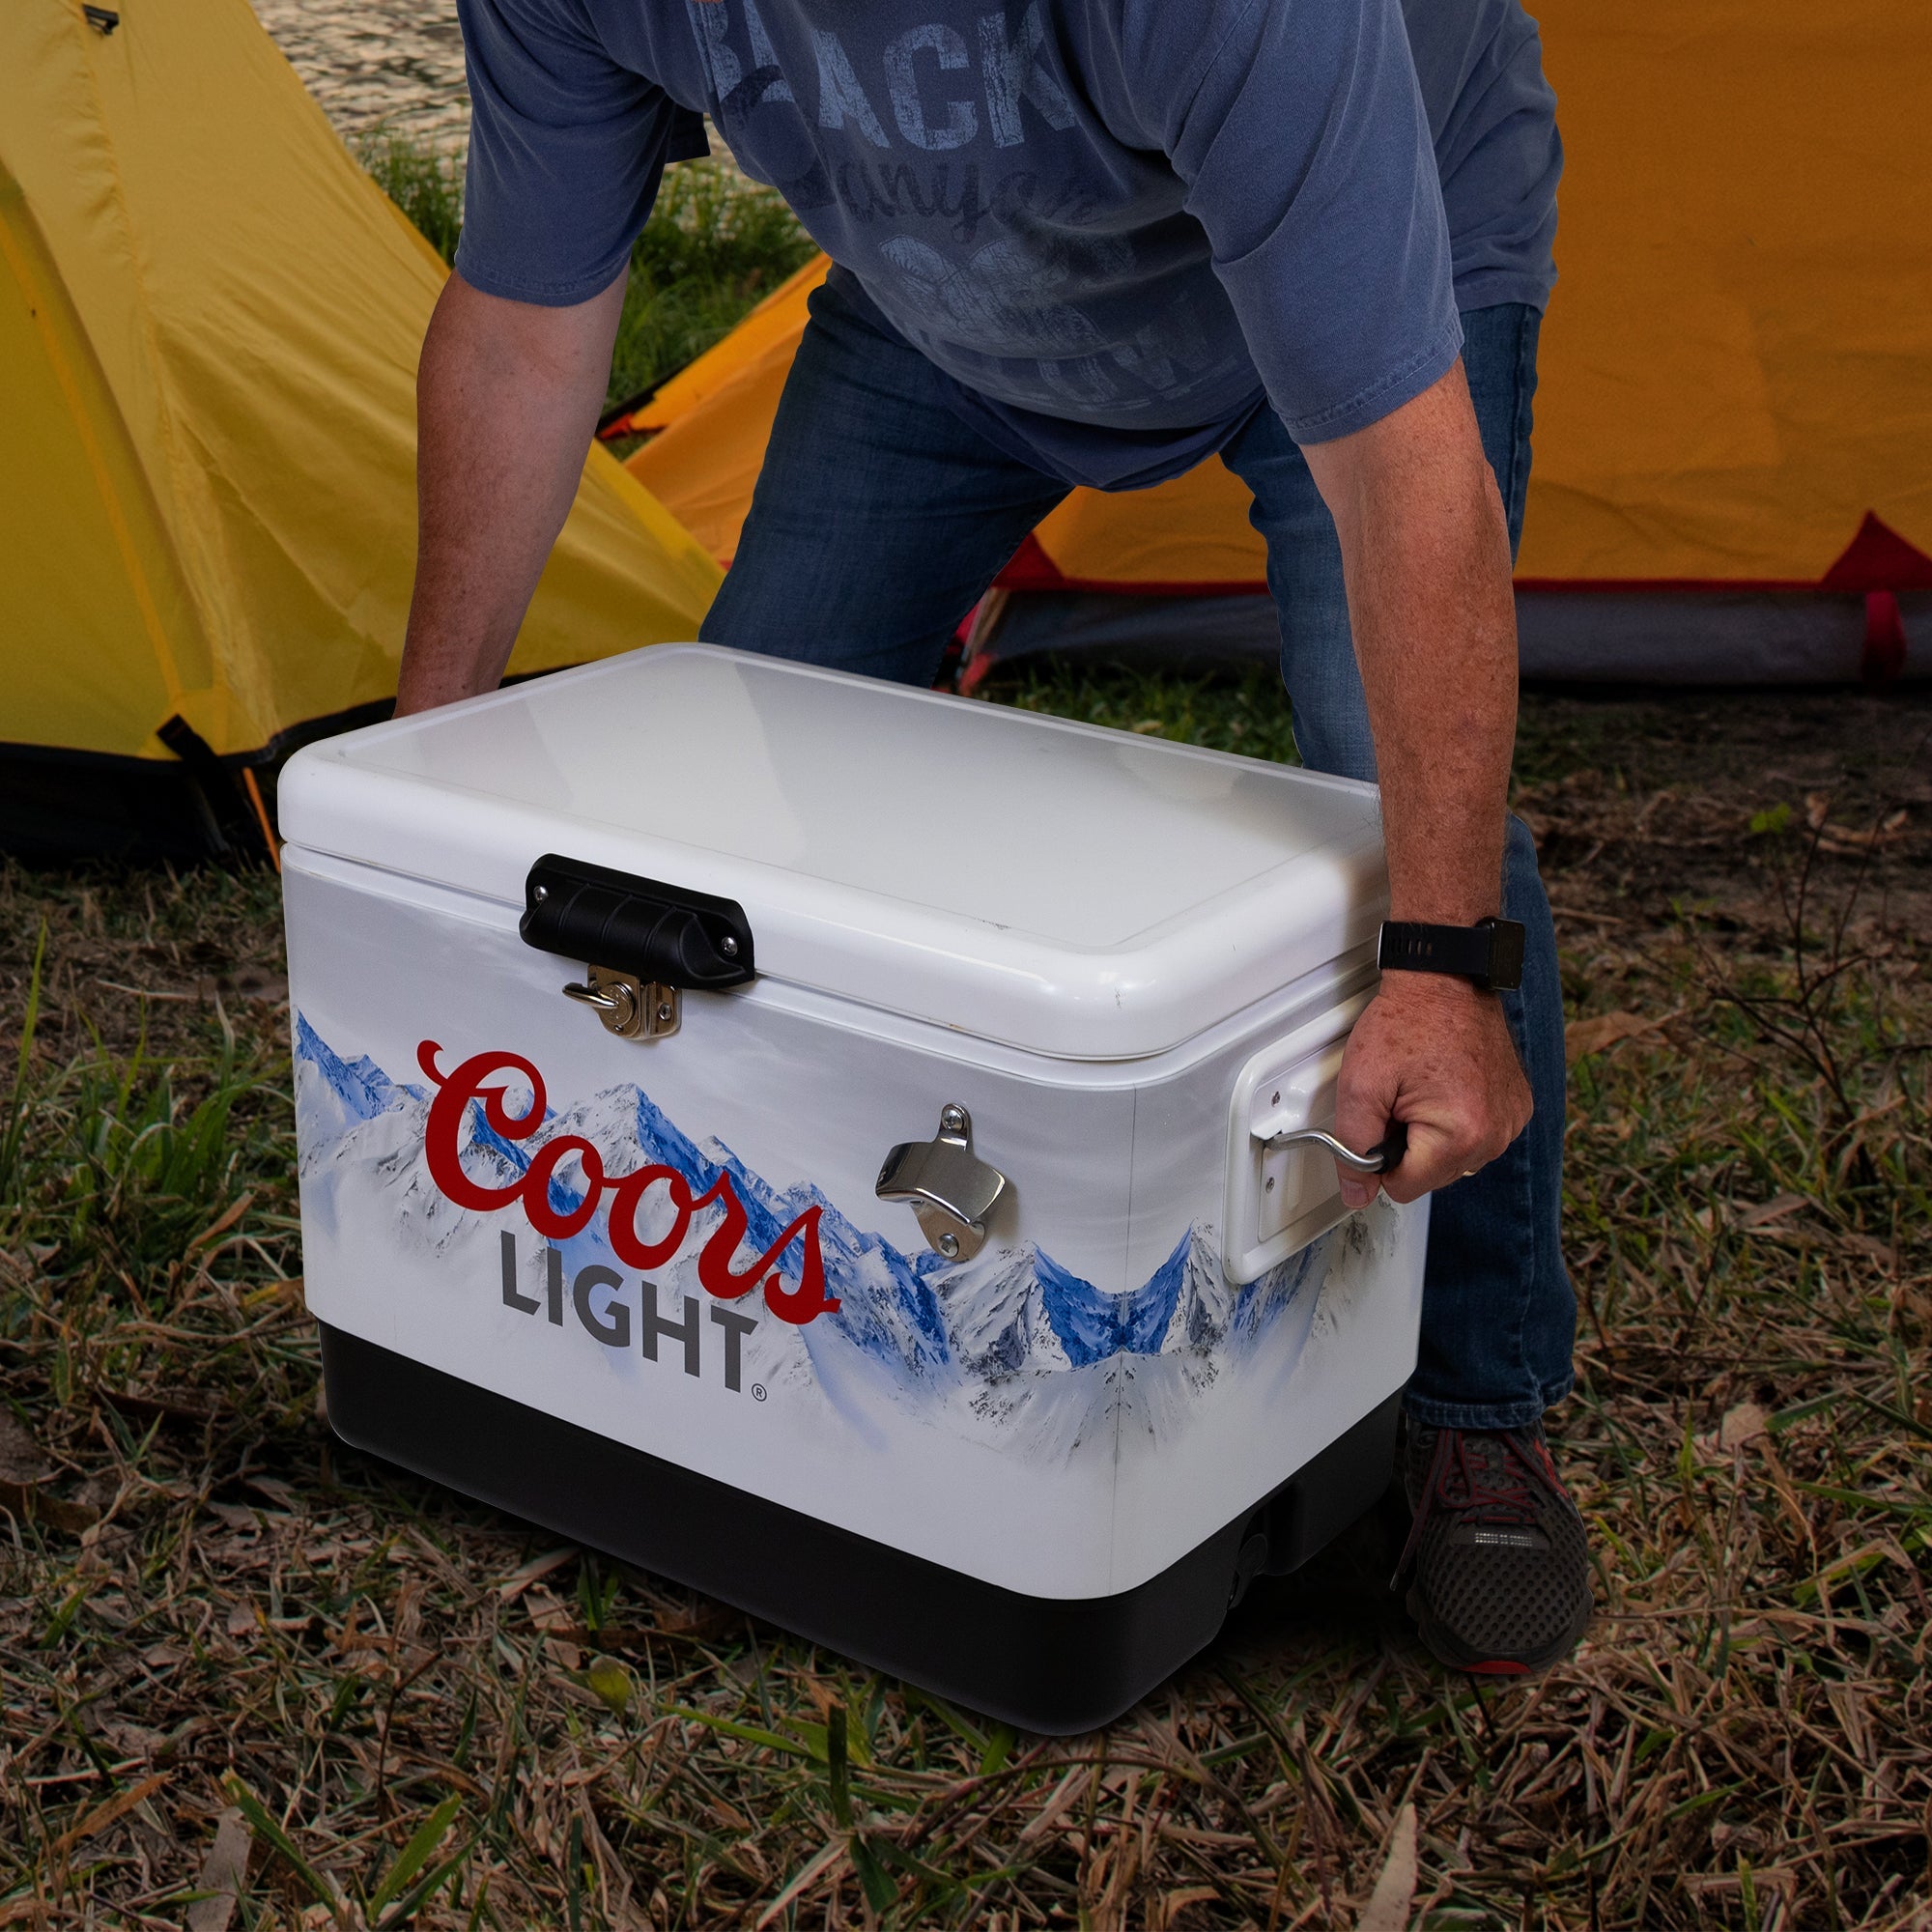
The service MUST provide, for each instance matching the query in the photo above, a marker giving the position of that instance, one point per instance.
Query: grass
(423, 181)
(1249, 714)
(227, 1643)
(714, 245)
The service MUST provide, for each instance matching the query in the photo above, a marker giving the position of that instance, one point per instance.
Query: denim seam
(1482, 1416)
(1518, 1023)
(1519, 436)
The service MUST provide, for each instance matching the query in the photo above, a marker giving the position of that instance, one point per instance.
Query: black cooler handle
(666, 935)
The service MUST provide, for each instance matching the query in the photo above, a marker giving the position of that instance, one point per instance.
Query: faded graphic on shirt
(1112, 223)
(919, 161)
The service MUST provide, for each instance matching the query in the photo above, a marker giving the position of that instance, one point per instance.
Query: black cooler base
(1045, 1663)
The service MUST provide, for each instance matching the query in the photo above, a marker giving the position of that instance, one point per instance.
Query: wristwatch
(1489, 953)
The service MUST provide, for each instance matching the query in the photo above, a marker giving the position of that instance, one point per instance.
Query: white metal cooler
(808, 1137)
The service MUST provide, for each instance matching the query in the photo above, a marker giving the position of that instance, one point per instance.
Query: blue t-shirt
(1118, 226)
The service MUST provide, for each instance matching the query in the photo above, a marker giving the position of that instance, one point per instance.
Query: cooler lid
(1076, 891)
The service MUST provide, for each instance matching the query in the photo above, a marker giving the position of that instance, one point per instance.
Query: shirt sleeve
(566, 151)
(1305, 152)
(1499, 154)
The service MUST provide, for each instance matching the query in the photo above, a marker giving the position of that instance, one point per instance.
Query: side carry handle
(1385, 1155)
(662, 935)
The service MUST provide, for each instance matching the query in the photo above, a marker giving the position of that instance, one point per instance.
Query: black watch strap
(1489, 953)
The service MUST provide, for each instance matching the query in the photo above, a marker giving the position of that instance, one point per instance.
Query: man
(1094, 242)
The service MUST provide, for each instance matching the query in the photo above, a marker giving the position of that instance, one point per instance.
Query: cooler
(831, 1143)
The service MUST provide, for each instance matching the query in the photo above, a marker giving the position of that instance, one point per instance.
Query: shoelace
(1487, 1482)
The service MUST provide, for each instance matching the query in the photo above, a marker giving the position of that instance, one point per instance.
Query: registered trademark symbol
(758, 1391)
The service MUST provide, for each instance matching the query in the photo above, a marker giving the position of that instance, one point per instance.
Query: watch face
(1506, 937)
(1489, 953)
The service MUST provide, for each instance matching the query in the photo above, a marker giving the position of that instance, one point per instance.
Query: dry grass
(406, 1707)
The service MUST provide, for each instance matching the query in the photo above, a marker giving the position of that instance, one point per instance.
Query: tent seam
(217, 686)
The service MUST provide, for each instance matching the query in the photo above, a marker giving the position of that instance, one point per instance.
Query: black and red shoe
(1497, 1559)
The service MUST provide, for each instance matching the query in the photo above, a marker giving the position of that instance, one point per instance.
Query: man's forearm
(507, 397)
(1425, 549)
(1426, 552)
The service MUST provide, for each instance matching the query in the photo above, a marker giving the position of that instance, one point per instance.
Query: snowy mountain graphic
(336, 1094)
(995, 1332)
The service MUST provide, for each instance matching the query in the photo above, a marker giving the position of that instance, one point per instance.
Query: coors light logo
(469, 1084)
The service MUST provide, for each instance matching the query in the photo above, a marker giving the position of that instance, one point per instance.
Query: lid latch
(950, 1192)
(630, 1008)
(646, 942)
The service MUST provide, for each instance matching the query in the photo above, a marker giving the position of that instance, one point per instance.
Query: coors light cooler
(833, 1145)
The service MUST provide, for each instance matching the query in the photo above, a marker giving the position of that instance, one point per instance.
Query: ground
(228, 1644)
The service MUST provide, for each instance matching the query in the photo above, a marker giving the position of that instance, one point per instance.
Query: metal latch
(951, 1190)
(630, 1008)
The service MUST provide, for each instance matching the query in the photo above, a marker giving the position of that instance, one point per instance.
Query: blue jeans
(878, 521)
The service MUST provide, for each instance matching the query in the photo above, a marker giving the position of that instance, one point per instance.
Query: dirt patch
(1727, 803)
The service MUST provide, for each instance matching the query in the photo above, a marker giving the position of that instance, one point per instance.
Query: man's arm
(507, 397)
(1425, 549)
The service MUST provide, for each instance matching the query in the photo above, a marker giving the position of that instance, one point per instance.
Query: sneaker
(1497, 1558)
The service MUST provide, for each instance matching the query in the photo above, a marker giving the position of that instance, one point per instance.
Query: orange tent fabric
(712, 419)
(1736, 368)
(1738, 359)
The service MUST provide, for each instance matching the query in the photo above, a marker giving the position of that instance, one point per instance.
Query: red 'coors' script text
(457, 1092)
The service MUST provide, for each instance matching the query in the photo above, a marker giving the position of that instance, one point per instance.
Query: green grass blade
(837, 1771)
(415, 1854)
(263, 1820)
(426, 1889)
(17, 1113)
(881, 1893)
(749, 1734)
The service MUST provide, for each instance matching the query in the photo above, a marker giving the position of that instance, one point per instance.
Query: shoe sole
(1450, 1649)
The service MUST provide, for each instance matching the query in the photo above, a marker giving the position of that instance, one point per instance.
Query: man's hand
(507, 396)
(1435, 1054)
(1425, 551)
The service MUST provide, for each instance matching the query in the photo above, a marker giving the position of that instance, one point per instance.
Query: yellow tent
(209, 318)
(1734, 425)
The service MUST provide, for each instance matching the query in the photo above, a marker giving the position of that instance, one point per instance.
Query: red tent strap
(1884, 658)
(1030, 568)
(1881, 563)
(1879, 559)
